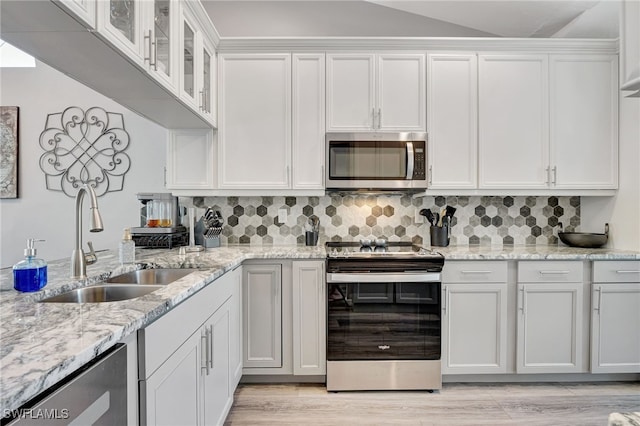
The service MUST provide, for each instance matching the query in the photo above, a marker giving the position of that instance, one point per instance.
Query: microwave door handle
(410, 160)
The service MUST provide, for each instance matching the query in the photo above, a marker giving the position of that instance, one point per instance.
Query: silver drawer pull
(554, 272)
(475, 272)
(627, 272)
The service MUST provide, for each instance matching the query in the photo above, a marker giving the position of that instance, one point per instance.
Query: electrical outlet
(418, 217)
(282, 215)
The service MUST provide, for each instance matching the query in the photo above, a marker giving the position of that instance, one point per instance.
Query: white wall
(622, 211)
(49, 215)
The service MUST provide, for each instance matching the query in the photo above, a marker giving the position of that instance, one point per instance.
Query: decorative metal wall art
(84, 148)
(9, 152)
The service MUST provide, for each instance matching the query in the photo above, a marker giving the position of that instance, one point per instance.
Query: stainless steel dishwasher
(94, 395)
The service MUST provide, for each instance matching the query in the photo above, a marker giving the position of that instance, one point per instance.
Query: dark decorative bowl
(585, 239)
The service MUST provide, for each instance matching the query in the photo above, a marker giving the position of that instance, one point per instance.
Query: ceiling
(416, 18)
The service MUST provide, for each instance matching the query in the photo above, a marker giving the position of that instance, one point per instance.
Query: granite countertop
(42, 343)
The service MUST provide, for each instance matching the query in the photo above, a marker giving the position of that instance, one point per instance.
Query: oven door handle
(384, 277)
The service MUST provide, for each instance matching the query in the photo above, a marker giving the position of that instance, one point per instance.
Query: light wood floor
(456, 404)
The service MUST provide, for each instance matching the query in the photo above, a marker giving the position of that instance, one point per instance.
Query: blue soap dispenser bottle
(31, 273)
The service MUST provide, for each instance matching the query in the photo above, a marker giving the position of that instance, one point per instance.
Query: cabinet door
(615, 328)
(549, 336)
(584, 121)
(513, 121)
(171, 395)
(350, 92)
(188, 59)
(235, 330)
(452, 123)
(83, 9)
(190, 159)
(308, 121)
(262, 315)
(401, 95)
(207, 81)
(309, 318)
(254, 118)
(216, 395)
(474, 328)
(630, 45)
(163, 18)
(120, 22)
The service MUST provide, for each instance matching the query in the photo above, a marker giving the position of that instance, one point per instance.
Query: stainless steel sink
(103, 293)
(151, 276)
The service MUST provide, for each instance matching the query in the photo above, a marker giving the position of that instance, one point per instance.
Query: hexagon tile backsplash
(478, 220)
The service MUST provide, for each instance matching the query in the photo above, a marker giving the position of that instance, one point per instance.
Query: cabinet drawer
(616, 271)
(550, 271)
(478, 271)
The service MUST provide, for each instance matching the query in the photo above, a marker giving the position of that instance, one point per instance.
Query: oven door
(383, 316)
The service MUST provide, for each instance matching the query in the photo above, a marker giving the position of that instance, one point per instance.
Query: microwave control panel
(419, 170)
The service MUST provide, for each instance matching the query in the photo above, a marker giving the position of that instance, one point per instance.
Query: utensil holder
(311, 238)
(439, 236)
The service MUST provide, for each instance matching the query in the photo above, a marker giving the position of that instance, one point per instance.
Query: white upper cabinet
(255, 121)
(401, 94)
(452, 120)
(197, 65)
(514, 121)
(145, 31)
(308, 111)
(376, 92)
(161, 38)
(121, 23)
(190, 159)
(630, 46)
(350, 92)
(584, 121)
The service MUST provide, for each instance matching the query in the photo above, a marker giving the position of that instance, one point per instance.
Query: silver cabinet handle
(446, 299)
(373, 118)
(598, 304)
(555, 175)
(547, 171)
(155, 55)
(553, 272)
(430, 175)
(627, 272)
(521, 299)
(322, 173)
(379, 118)
(475, 272)
(210, 347)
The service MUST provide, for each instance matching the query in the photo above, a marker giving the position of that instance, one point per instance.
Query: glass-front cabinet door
(188, 59)
(162, 40)
(208, 81)
(120, 22)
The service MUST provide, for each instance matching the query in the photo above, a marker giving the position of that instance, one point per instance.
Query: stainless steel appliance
(95, 395)
(383, 317)
(160, 222)
(376, 161)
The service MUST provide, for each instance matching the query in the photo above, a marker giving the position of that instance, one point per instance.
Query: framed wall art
(9, 151)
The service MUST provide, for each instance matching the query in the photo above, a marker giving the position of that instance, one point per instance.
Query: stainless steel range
(383, 312)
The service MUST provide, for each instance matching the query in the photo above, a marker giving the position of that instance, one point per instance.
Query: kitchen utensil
(585, 239)
(450, 211)
(439, 236)
(437, 220)
(442, 213)
(429, 215)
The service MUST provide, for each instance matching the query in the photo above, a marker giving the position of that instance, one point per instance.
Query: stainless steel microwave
(375, 161)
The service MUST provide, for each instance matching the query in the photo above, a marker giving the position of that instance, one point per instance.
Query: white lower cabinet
(309, 318)
(184, 359)
(235, 329)
(474, 317)
(284, 318)
(615, 317)
(262, 315)
(549, 317)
